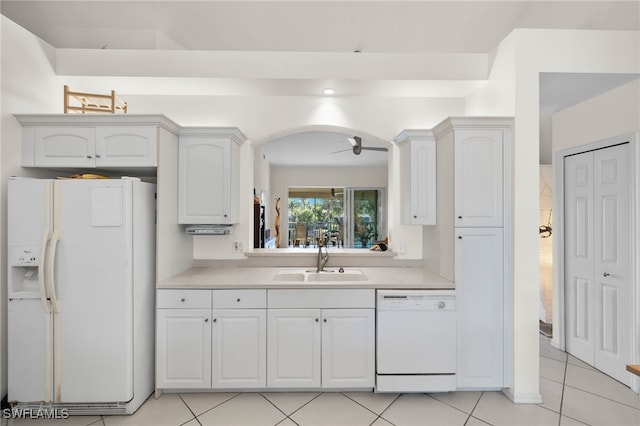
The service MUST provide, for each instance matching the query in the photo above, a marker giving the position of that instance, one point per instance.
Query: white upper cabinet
(418, 176)
(89, 141)
(478, 177)
(63, 146)
(208, 175)
(476, 146)
(127, 146)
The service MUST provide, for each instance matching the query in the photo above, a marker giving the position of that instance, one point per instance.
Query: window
(341, 217)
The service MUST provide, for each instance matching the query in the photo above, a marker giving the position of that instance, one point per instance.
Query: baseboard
(526, 398)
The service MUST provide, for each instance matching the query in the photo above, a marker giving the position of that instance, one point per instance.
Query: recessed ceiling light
(328, 91)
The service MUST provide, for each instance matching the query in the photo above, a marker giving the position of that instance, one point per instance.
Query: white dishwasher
(415, 341)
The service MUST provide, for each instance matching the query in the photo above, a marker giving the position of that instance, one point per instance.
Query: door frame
(558, 340)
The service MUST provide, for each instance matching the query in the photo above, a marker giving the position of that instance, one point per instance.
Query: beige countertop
(264, 277)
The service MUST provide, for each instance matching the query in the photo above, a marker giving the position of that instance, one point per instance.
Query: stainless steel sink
(329, 275)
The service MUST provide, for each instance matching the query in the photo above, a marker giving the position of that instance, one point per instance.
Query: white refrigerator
(81, 266)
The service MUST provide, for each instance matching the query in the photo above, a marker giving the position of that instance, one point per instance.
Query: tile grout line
(278, 408)
(474, 409)
(215, 406)
(600, 396)
(190, 410)
(365, 407)
(389, 406)
(449, 405)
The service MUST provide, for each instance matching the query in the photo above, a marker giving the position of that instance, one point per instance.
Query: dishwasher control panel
(420, 300)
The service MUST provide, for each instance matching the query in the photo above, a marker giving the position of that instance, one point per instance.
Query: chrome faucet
(322, 259)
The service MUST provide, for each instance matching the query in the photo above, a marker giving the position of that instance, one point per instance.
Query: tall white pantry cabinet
(468, 243)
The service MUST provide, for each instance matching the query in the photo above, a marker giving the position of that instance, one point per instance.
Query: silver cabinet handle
(97, 155)
(206, 320)
(606, 274)
(238, 300)
(441, 305)
(183, 299)
(89, 157)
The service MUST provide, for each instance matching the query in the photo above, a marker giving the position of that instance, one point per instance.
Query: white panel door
(293, 348)
(612, 261)
(348, 348)
(478, 177)
(183, 348)
(597, 259)
(480, 306)
(578, 222)
(239, 348)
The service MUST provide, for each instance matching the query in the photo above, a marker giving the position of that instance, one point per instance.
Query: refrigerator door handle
(57, 352)
(46, 304)
(52, 272)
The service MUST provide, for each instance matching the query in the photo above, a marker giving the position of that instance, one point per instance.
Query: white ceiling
(441, 38)
(320, 148)
(474, 26)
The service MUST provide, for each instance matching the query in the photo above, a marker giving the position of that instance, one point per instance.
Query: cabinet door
(348, 348)
(478, 177)
(423, 183)
(122, 146)
(239, 348)
(480, 304)
(204, 179)
(183, 348)
(64, 147)
(293, 348)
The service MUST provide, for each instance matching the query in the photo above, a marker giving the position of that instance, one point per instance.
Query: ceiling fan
(357, 148)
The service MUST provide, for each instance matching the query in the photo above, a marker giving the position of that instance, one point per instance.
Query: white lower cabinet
(327, 348)
(480, 308)
(231, 339)
(238, 348)
(183, 348)
(321, 338)
(293, 348)
(348, 348)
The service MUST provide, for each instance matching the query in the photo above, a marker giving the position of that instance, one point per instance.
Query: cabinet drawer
(239, 299)
(184, 299)
(322, 299)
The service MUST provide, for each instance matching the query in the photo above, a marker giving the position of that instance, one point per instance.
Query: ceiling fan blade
(373, 148)
(342, 150)
(354, 141)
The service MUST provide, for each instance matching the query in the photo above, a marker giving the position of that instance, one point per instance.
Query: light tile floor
(573, 393)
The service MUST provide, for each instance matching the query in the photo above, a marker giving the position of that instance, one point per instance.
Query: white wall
(533, 52)
(28, 85)
(611, 114)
